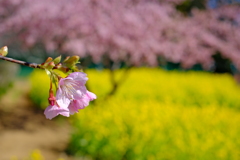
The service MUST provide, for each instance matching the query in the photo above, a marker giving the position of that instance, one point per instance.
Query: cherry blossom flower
(55, 109)
(71, 88)
(71, 96)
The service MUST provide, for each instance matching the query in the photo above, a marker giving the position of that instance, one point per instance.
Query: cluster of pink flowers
(137, 32)
(71, 96)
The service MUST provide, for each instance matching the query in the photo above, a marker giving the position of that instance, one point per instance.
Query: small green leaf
(57, 60)
(66, 59)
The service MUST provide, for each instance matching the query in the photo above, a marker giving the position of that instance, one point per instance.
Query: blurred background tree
(114, 34)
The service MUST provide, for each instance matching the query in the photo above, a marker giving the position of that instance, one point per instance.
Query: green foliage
(187, 6)
(4, 88)
(160, 115)
(8, 72)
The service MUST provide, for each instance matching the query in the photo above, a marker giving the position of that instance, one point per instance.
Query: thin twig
(32, 65)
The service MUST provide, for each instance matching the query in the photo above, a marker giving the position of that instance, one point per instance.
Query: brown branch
(32, 65)
(117, 83)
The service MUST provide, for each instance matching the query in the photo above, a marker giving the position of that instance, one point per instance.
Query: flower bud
(50, 65)
(70, 62)
(57, 66)
(4, 51)
(51, 99)
(49, 59)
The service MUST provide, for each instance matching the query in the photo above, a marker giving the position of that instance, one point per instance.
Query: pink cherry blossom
(71, 88)
(81, 103)
(71, 96)
(53, 110)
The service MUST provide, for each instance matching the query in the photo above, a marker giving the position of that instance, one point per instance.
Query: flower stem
(32, 65)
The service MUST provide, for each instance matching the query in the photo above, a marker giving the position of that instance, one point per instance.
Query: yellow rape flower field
(160, 115)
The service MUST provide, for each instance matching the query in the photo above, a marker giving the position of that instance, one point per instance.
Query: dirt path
(24, 129)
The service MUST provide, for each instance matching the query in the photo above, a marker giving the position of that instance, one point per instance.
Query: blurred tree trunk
(117, 82)
(186, 6)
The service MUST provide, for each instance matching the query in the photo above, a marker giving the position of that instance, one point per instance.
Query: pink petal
(73, 107)
(91, 95)
(73, 86)
(81, 103)
(78, 104)
(61, 81)
(81, 90)
(78, 76)
(62, 101)
(52, 111)
(59, 93)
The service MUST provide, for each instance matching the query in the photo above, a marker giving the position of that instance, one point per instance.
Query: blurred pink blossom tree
(136, 32)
